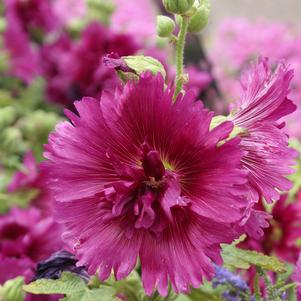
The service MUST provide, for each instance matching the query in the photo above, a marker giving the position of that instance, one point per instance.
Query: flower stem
(180, 45)
(257, 287)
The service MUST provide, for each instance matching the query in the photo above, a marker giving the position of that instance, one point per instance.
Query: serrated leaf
(12, 290)
(67, 284)
(243, 259)
(73, 287)
(199, 295)
(98, 294)
(141, 63)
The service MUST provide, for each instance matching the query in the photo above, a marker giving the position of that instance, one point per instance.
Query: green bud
(179, 7)
(12, 140)
(7, 116)
(200, 19)
(165, 26)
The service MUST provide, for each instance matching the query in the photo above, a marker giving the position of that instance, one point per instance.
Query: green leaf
(141, 63)
(296, 177)
(21, 199)
(243, 259)
(131, 287)
(73, 287)
(12, 290)
(67, 284)
(200, 295)
(98, 294)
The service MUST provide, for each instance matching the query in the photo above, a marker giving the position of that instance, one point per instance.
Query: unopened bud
(200, 19)
(179, 7)
(12, 140)
(165, 26)
(7, 116)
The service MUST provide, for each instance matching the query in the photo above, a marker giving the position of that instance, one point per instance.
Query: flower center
(152, 165)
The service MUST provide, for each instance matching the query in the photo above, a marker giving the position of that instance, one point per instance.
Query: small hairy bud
(165, 26)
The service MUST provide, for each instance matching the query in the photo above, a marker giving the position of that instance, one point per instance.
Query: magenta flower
(136, 175)
(26, 21)
(239, 41)
(74, 70)
(31, 177)
(25, 239)
(263, 103)
(281, 236)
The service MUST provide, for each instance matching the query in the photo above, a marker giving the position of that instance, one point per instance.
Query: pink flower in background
(136, 175)
(198, 80)
(262, 104)
(68, 11)
(25, 239)
(281, 236)
(30, 15)
(137, 18)
(76, 70)
(32, 178)
(239, 41)
(26, 21)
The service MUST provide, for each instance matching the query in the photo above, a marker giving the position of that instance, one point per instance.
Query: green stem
(257, 287)
(180, 45)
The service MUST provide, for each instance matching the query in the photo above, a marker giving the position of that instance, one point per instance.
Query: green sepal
(141, 63)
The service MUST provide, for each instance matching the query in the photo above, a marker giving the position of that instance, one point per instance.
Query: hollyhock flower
(136, 175)
(25, 21)
(281, 237)
(239, 41)
(262, 103)
(297, 277)
(79, 71)
(32, 178)
(25, 239)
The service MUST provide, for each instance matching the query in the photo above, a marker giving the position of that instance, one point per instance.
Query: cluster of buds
(197, 11)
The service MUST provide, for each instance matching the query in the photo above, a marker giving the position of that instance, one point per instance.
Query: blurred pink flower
(137, 18)
(68, 11)
(198, 80)
(136, 175)
(25, 239)
(25, 21)
(239, 41)
(32, 178)
(281, 236)
(75, 69)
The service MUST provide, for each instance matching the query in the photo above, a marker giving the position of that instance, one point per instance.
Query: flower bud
(179, 7)
(165, 26)
(7, 116)
(200, 19)
(12, 140)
